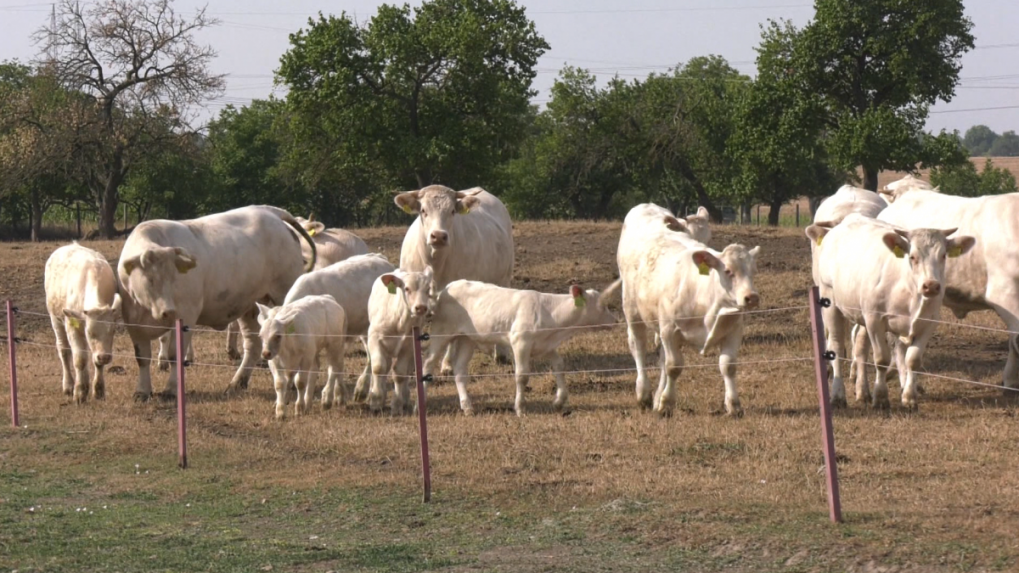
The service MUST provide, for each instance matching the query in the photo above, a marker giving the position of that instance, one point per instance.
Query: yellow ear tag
(407, 209)
(899, 252)
(291, 328)
(75, 323)
(463, 209)
(955, 252)
(311, 232)
(392, 287)
(703, 268)
(579, 301)
(819, 239)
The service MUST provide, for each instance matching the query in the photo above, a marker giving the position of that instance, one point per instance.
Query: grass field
(606, 488)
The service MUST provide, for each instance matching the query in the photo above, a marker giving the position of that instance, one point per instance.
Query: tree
(878, 66)
(979, 139)
(138, 63)
(1005, 146)
(964, 180)
(433, 94)
(243, 152)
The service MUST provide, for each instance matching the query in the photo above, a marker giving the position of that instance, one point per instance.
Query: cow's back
(349, 282)
(333, 246)
(77, 278)
(849, 200)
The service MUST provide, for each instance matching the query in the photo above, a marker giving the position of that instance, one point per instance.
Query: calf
(399, 301)
(888, 280)
(469, 314)
(83, 304)
(693, 295)
(350, 283)
(293, 336)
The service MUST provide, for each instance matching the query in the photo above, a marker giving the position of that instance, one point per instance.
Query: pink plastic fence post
(182, 438)
(426, 468)
(11, 344)
(827, 432)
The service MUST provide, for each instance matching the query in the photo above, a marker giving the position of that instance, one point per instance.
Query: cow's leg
(447, 362)
(636, 335)
(164, 351)
(252, 350)
(837, 342)
(728, 351)
(561, 393)
(304, 380)
(522, 361)
(463, 351)
(65, 353)
(336, 381)
(882, 359)
(672, 368)
(402, 375)
(381, 364)
(232, 332)
(281, 384)
(502, 354)
(143, 356)
(99, 382)
(861, 348)
(364, 380)
(81, 355)
(170, 391)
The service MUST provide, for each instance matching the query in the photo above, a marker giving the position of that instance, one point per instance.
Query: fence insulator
(824, 302)
(829, 355)
(425, 337)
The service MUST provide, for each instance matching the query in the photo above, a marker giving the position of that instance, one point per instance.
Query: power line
(976, 109)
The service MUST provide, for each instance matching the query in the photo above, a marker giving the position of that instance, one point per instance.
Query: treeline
(981, 141)
(442, 93)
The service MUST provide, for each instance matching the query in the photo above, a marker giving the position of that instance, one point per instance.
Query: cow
(83, 304)
(350, 283)
(208, 271)
(895, 189)
(658, 219)
(886, 279)
(849, 199)
(460, 235)
(399, 301)
(692, 295)
(985, 278)
(469, 314)
(293, 337)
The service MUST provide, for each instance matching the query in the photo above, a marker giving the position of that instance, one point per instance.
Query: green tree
(1005, 146)
(243, 151)
(878, 66)
(964, 180)
(979, 139)
(434, 94)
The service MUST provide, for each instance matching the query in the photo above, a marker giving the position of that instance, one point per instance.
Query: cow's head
(414, 289)
(99, 324)
(927, 251)
(734, 269)
(151, 276)
(697, 226)
(313, 227)
(436, 206)
(594, 305)
(272, 330)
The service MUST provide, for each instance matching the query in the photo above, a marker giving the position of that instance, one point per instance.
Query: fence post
(821, 356)
(758, 215)
(11, 343)
(77, 216)
(182, 438)
(426, 468)
(797, 215)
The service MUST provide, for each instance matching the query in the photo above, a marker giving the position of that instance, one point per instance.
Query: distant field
(607, 488)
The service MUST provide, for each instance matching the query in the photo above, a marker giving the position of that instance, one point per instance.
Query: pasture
(606, 488)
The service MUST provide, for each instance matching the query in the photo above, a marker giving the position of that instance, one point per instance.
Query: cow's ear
(675, 224)
(706, 261)
(896, 243)
(959, 246)
(183, 261)
(755, 251)
(117, 303)
(315, 228)
(579, 297)
(74, 317)
(263, 313)
(391, 282)
(131, 264)
(817, 232)
(703, 212)
(463, 206)
(409, 202)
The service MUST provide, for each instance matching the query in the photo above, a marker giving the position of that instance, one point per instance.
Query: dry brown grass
(910, 482)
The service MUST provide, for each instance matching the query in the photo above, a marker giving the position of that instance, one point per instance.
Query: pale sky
(628, 37)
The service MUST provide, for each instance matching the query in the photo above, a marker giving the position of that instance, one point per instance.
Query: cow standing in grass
(83, 304)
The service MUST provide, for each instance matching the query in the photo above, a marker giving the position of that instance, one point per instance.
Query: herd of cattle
(296, 292)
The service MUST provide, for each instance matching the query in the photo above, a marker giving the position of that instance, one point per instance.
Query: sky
(630, 38)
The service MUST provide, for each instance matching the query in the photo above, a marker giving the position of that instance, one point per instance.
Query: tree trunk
(815, 202)
(746, 215)
(35, 219)
(774, 212)
(870, 179)
(110, 196)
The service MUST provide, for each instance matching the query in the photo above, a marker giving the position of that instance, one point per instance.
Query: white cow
(849, 199)
(888, 280)
(895, 189)
(656, 219)
(208, 271)
(83, 304)
(469, 314)
(985, 278)
(460, 235)
(293, 337)
(399, 301)
(350, 283)
(693, 295)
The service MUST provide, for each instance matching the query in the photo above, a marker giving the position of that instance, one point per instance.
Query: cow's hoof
(233, 354)
(881, 403)
(664, 412)
(164, 365)
(645, 403)
(558, 406)
(68, 390)
(468, 411)
(445, 373)
(920, 390)
(168, 396)
(99, 393)
(734, 410)
(80, 397)
(839, 403)
(142, 396)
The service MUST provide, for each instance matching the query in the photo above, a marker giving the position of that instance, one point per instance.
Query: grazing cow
(985, 278)
(656, 219)
(350, 283)
(888, 280)
(460, 235)
(693, 295)
(849, 199)
(399, 301)
(208, 271)
(83, 304)
(895, 189)
(469, 314)
(293, 337)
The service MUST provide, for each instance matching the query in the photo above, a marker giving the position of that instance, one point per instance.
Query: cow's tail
(290, 220)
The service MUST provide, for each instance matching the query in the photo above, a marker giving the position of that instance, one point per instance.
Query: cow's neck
(564, 310)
